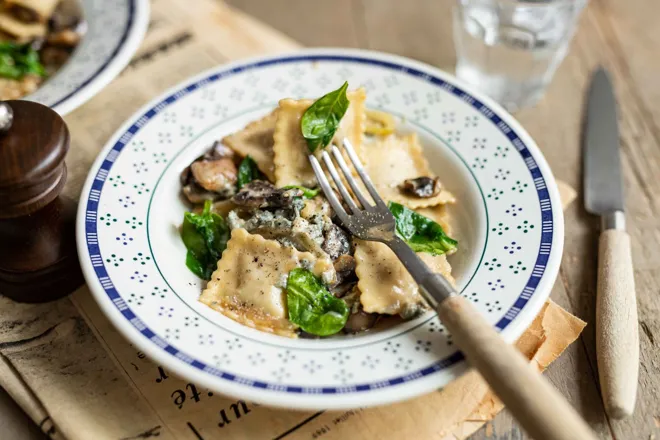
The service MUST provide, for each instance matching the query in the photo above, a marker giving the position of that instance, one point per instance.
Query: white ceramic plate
(115, 29)
(508, 218)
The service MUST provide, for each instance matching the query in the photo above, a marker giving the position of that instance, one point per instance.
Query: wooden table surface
(622, 36)
(625, 38)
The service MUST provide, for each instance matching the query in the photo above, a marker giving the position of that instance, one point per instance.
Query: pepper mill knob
(38, 258)
(6, 117)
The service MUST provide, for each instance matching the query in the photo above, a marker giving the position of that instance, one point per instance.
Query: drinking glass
(510, 49)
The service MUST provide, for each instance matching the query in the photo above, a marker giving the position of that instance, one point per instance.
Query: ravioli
(256, 141)
(390, 160)
(32, 11)
(22, 32)
(290, 148)
(249, 284)
(270, 238)
(385, 284)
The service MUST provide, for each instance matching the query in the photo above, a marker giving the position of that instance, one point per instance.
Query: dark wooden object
(38, 258)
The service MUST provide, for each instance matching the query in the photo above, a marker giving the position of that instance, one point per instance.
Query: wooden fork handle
(539, 408)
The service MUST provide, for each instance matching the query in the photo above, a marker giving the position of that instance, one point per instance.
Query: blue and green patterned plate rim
(516, 255)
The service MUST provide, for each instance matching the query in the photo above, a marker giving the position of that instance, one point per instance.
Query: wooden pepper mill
(38, 258)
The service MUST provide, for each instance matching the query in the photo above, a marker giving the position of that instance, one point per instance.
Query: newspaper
(77, 378)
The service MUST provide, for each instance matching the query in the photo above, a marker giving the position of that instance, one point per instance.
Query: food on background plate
(265, 238)
(36, 38)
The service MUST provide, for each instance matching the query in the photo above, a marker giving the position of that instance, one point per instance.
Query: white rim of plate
(511, 326)
(133, 34)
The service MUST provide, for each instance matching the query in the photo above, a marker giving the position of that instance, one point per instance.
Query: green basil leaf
(312, 307)
(205, 236)
(247, 172)
(195, 266)
(32, 64)
(307, 192)
(18, 60)
(321, 120)
(8, 68)
(192, 238)
(421, 233)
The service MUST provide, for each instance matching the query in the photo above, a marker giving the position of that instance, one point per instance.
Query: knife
(617, 339)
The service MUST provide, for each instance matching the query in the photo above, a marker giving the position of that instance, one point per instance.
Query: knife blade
(617, 338)
(603, 183)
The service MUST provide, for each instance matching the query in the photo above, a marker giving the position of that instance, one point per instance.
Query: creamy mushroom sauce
(295, 223)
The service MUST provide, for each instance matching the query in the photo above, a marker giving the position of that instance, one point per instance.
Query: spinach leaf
(421, 233)
(321, 120)
(196, 266)
(18, 60)
(307, 192)
(247, 172)
(205, 236)
(312, 307)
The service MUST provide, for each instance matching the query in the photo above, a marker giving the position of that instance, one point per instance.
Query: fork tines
(347, 176)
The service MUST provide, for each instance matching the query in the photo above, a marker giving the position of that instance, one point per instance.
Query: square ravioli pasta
(256, 141)
(291, 162)
(385, 285)
(390, 160)
(249, 284)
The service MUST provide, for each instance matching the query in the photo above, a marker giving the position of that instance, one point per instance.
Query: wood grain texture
(617, 339)
(625, 38)
(312, 23)
(421, 29)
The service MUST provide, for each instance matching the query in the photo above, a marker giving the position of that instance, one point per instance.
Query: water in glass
(510, 49)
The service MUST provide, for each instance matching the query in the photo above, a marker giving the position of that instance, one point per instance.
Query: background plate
(509, 225)
(115, 29)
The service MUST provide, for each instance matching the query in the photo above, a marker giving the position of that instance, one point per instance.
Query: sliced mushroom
(360, 321)
(261, 194)
(211, 176)
(345, 268)
(422, 187)
(54, 57)
(216, 175)
(196, 194)
(63, 19)
(343, 288)
(219, 150)
(67, 38)
(337, 242)
(412, 310)
(344, 263)
(223, 207)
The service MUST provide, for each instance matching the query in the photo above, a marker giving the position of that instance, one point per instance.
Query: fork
(539, 408)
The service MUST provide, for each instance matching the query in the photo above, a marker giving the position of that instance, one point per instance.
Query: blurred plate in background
(115, 29)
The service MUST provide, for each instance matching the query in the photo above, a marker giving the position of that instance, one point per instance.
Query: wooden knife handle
(539, 407)
(617, 338)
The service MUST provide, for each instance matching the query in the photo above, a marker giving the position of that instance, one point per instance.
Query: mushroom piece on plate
(422, 187)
